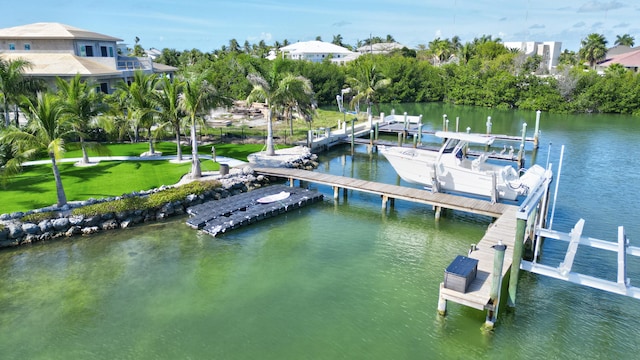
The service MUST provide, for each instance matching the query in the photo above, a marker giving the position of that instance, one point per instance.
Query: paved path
(96, 159)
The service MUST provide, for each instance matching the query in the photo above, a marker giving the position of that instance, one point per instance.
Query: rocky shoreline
(14, 231)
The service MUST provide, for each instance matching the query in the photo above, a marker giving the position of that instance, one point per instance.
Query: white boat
(273, 198)
(451, 170)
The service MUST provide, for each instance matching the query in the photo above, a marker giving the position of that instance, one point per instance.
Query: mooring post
(496, 284)
(353, 135)
(381, 117)
(444, 122)
(420, 132)
(442, 302)
(415, 140)
(457, 123)
(400, 139)
(524, 138)
(385, 199)
(370, 121)
(406, 121)
(536, 132)
(488, 125)
(336, 193)
(438, 210)
(517, 259)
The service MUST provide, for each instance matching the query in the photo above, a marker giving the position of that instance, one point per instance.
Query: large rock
(45, 226)
(30, 228)
(15, 231)
(61, 224)
(109, 225)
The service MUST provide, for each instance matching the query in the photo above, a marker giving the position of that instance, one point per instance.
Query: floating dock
(216, 217)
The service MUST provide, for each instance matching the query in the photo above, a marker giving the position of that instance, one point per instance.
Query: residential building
(316, 51)
(630, 58)
(59, 50)
(549, 51)
(380, 48)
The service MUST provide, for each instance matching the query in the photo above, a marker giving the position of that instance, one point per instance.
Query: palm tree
(140, 95)
(11, 84)
(168, 101)
(594, 49)
(81, 103)
(198, 95)
(45, 131)
(366, 83)
(440, 49)
(625, 40)
(294, 93)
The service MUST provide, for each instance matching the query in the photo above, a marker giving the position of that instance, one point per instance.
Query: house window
(12, 46)
(110, 51)
(89, 50)
(27, 46)
(104, 87)
(103, 51)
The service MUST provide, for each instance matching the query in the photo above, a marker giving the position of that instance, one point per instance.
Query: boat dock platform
(216, 217)
(478, 293)
(389, 192)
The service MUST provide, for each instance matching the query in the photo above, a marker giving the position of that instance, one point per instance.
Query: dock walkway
(388, 191)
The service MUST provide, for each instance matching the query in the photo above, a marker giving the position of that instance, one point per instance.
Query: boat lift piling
(496, 285)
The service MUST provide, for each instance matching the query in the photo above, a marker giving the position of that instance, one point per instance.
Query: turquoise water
(333, 280)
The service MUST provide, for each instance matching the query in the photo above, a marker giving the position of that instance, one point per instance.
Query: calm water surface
(335, 280)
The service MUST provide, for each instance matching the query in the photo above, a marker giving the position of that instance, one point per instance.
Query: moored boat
(450, 169)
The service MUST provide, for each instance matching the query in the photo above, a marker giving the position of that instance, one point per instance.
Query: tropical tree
(198, 95)
(81, 103)
(441, 50)
(168, 101)
(625, 40)
(294, 93)
(12, 84)
(45, 130)
(366, 82)
(141, 103)
(594, 49)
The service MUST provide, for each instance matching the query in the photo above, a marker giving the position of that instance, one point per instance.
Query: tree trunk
(151, 149)
(85, 156)
(179, 148)
(62, 198)
(136, 136)
(270, 149)
(196, 172)
(5, 109)
(17, 115)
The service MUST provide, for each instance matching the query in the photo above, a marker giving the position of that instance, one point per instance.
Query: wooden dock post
(496, 285)
(536, 132)
(442, 302)
(400, 135)
(385, 199)
(420, 132)
(353, 135)
(518, 245)
(488, 124)
(336, 193)
(406, 121)
(438, 210)
(457, 123)
(521, 151)
(444, 122)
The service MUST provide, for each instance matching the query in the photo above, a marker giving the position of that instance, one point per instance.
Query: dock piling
(536, 132)
(518, 245)
(496, 285)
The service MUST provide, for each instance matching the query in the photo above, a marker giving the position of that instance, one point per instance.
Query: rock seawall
(14, 231)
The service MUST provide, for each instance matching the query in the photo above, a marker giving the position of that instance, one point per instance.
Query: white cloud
(597, 6)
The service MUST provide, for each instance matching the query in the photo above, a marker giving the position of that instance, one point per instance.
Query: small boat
(450, 169)
(273, 198)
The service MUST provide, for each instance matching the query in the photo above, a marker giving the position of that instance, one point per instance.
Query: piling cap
(499, 247)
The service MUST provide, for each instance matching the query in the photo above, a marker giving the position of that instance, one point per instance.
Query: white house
(59, 50)
(548, 50)
(315, 51)
(380, 48)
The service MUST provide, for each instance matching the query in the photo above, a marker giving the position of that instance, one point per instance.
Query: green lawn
(34, 187)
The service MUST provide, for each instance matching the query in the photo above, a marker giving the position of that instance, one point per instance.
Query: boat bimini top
(470, 138)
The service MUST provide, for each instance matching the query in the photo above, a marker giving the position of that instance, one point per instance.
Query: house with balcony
(59, 50)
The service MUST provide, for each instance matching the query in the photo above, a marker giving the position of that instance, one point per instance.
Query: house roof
(629, 59)
(49, 30)
(162, 68)
(315, 47)
(619, 49)
(60, 64)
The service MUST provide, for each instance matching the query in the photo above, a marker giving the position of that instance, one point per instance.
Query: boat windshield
(450, 145)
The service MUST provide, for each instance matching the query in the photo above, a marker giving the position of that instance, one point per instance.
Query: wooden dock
(503, 230)
(389, 192)
(216, 217)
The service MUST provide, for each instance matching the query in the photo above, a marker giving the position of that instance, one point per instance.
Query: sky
(209, 24)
